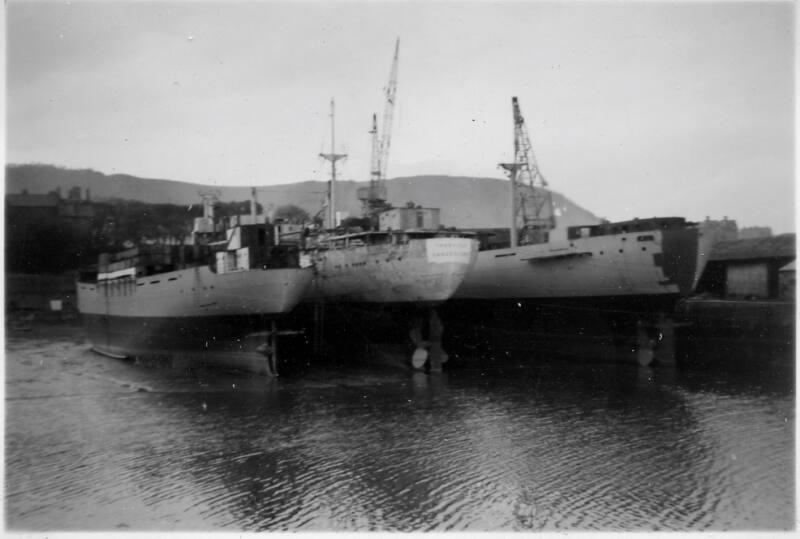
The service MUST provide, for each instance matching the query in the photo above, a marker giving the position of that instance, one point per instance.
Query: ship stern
(448, 260)
(685, 252)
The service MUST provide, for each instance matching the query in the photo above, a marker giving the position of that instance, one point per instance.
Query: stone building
(46, 233)
(724, 230)
(25, 208)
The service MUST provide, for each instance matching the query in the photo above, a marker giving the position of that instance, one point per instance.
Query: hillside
(464, 202)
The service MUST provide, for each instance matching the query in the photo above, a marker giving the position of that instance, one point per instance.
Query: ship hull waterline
(591, 295)
(193, 314)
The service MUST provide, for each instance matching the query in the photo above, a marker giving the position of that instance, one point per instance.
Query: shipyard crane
(532, 213)
(388, 111)
(373, 197)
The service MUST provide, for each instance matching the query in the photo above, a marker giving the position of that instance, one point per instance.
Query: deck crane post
(532, 215)
(373, 192)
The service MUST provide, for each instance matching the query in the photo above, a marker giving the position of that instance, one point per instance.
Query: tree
(292, 213)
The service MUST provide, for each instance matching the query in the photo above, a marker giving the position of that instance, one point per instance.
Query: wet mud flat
(94, 443)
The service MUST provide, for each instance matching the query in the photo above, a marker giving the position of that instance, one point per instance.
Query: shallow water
(94, 443)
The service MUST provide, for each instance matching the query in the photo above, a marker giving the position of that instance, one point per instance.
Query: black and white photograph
(399, 266)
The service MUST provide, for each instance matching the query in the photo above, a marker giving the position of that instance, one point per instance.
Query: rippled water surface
(94, 443)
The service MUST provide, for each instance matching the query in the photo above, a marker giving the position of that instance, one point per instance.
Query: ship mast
(373, 198)
(532, 215)
(332, 157)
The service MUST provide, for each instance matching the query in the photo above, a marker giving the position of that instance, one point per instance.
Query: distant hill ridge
(465, 202)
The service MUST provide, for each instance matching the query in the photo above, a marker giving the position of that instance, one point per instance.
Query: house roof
(781, 246)
(32, 201)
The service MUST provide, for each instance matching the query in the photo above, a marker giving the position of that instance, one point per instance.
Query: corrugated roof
(780, 246)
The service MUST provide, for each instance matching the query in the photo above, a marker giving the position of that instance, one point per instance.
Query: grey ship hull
(193, 313)
(420, 272)
(582, 296)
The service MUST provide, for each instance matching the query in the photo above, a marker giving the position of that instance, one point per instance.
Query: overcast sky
(634, 109)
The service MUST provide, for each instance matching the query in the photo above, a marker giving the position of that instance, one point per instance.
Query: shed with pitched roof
(748, 268)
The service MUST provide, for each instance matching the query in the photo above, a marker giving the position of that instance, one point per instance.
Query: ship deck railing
(381, 237)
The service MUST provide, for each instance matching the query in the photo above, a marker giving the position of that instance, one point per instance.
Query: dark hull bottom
(229, 341)
(343, 322)
(603, 329)
(359, 331)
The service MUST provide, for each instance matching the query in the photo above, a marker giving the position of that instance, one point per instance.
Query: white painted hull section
(423, 270)
(197, 292)
(599, 266)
